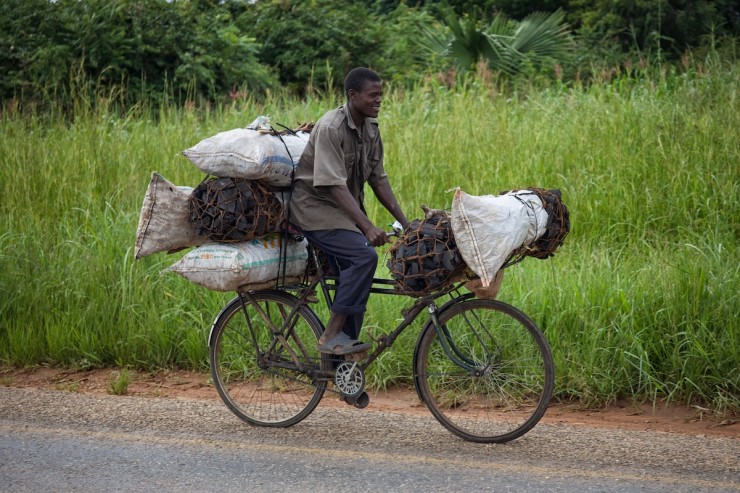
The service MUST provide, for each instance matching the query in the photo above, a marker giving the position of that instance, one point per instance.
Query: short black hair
(357, 78)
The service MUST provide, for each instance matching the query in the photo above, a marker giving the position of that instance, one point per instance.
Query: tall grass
(641, 301)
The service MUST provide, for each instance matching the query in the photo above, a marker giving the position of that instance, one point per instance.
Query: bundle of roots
(234, 209)
(426, 258)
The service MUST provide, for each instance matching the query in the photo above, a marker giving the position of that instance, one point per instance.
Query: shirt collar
(367, 127)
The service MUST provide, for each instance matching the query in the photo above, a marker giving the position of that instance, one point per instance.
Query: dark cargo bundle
(557, 228)
(234, 209)
(426, 258)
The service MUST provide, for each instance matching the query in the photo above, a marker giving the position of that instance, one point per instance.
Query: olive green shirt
(336, 154)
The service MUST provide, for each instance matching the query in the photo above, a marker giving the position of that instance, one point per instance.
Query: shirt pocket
(349, 160)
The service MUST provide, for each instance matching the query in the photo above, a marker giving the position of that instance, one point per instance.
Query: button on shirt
(336, 154)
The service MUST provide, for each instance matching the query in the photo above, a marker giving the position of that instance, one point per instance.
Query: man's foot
(342, 344)
(328, 335)
(333, 327)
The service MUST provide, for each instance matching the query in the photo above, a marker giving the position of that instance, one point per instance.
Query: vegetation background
(629, 107)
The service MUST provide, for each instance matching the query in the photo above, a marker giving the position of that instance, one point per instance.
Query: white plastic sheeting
(488, 228)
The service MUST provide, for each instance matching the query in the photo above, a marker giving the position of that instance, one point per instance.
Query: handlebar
(397, 229)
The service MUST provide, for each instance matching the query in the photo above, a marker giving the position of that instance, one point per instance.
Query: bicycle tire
(244, 368)
(505, 391)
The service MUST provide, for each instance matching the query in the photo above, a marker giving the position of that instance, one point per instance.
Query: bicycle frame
(465, 346)
(328, 284)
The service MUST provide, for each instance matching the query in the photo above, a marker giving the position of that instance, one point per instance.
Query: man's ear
(351, 93)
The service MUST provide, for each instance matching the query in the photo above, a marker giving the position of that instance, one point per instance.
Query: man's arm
(385, 195)
(345, 201)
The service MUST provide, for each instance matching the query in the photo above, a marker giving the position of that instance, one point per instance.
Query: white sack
(230, 266)
(247, 153)
(164, 221)
(488, 228)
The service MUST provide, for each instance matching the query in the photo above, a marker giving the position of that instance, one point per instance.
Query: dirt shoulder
(672, 418)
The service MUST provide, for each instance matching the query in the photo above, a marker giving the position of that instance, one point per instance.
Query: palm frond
(504, 44)
(499, 56)
(433, 41)
(501, 26)
(543, 35)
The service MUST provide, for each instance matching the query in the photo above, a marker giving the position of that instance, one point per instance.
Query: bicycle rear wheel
(491, 377)
(265, 373)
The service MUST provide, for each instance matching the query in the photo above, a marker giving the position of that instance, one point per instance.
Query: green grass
(118, 382)
(640, 302)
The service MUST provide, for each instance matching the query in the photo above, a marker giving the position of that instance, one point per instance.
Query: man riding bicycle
(344, 152)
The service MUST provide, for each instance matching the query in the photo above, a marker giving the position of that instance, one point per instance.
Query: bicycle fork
(449, 346)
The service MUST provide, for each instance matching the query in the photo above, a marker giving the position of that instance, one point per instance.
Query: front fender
(226, 308)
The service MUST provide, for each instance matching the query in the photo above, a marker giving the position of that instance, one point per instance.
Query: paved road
(58, 441)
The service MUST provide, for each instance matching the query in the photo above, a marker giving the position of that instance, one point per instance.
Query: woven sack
(164, 221)
(243, 266)
(489, 228)
(250, 154)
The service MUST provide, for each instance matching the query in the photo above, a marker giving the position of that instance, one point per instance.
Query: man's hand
(376, 236)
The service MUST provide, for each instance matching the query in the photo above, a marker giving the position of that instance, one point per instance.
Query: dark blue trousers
(356, 260)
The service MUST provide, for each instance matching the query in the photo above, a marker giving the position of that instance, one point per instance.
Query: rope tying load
(426, 258)
(302, 127)
(234, 209)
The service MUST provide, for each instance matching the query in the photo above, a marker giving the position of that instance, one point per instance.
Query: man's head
(357, 78)
(364, 91)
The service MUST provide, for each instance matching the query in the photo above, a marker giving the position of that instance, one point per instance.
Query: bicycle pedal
(360, 401)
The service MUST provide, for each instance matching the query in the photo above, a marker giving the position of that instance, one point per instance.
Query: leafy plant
(52, 51)
(503, 44)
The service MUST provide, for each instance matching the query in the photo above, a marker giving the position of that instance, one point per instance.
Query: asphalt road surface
(62, 442)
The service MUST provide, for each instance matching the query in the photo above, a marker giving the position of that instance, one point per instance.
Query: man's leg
(353, 325)
(357, 261)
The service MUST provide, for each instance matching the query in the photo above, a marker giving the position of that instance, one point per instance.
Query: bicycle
(482, 367)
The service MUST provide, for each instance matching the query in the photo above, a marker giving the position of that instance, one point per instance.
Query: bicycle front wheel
(267, 371)
(491, 375)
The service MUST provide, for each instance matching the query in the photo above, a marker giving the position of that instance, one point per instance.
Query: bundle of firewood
(234, 209)
(426, 258)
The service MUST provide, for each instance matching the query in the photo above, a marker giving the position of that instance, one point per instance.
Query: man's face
(367, 101)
